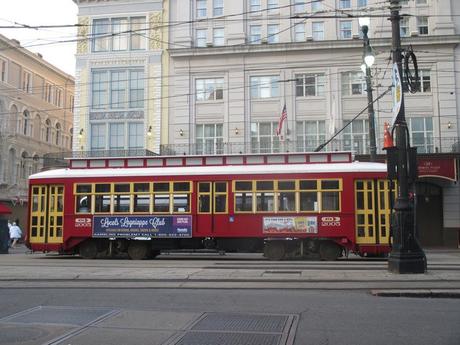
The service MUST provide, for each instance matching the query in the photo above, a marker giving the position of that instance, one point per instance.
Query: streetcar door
(47, 214)
(365, 219)
(212, 208)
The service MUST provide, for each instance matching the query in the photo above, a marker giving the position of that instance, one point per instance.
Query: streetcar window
(330, 184)
(265, 201)
(161, 203)
(121, 203)
(122, 188)
(102, 203)
(83, 204)
(204, 203)
(243, 185)
(308, 185)
(181, 203)
(220, 197)
(141, 203)
(103, 188)
(204, 187)
(243, 202)
(141, 188)
(330, 201)
(161, 186)
(34, 203)
(264, 185)
(181, 187)
(286, 185)
(309, 201)
(286, 201)
(83, 188)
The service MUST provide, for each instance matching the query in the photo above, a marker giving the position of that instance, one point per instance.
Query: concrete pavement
(242, 271)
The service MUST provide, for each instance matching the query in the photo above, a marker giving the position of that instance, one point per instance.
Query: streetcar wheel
(329, 251)
(275, 250)
(88, 249)
(138, 250)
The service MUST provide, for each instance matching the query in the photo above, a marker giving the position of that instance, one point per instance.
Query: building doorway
(429, 214)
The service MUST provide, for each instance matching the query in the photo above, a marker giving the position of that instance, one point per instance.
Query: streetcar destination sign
(142, 226)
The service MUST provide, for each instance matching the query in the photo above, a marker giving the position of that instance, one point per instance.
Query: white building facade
(119, 76)
(234, 66)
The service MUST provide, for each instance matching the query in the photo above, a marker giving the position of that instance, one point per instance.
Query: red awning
(4, 209)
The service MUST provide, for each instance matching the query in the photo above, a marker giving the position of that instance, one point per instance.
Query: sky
(43, 41)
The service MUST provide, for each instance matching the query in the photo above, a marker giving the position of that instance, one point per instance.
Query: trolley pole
(406, 256)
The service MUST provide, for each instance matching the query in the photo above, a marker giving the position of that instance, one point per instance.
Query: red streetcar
(288, 205)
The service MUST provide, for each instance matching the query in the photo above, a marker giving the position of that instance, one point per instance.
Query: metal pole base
(404, 263)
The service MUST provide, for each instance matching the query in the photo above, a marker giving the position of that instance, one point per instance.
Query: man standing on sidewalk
(15, 234)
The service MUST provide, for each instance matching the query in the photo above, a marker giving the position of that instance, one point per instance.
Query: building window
(362, 3)
(299, 6)
(318, 31)
(255, 6)
(136, 89)
(136, 135)
(218, 8)
(310, 85)
(48, 131)
(353, 83)
(209, 139)
(425, 80)
(272, 6)
(119, 87)
(71, 104)
(404, 27)
(209, 89)
(98, 136)
(47, 92)
(421, 2)
(264, 138)
(26, 124)
(344, 4)
(58, 97)
(255, 32)
(201, 8)
(26, 82)
(422, 25)
(58, 134)
(310, 134)
(273, 33)
(3, 65)
(118, 34)
(201, 36)
(117, 135)
(264, 87)
(345, 29)
(299, 32)
(421, 134)
(101, 38)
(355, 137)
(317, 5)
(218, 37)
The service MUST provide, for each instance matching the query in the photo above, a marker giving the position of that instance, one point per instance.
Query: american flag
(280, 122)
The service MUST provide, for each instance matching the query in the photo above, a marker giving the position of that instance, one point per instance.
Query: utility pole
(406, 256)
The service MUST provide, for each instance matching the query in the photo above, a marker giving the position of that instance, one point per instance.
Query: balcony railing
(358, 147)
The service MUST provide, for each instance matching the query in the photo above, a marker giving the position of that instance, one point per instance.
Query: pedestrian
(9, 224)
(15, 234)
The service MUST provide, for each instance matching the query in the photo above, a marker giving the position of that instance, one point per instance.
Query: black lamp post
(406, 256)
(368, 61)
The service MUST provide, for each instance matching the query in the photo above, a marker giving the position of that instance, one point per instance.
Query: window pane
(243, 185)
(141, 203)
(243, 202)
(286, 201)
(308, 201)
(139, 33)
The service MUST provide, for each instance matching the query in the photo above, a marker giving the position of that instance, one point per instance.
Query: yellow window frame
(91, 195)
(296, 195)
(244, 191)
(321, 190)
(216, 193)
(205, 193)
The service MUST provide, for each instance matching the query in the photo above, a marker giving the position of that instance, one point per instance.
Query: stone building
(234, 66)
(36, 107)
(120, 70)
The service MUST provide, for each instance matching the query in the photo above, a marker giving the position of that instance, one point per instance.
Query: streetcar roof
(215, 170)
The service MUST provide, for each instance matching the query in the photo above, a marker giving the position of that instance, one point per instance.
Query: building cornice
(311, 46)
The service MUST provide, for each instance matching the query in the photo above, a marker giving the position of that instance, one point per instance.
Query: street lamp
(368, 61)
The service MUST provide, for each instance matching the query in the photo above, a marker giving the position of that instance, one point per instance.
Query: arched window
(12, 169)
(58, 133)
(47, 130)
(26, 122)
(24, 156)
(13, 120)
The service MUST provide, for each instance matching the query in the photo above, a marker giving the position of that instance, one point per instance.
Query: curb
(422, 293)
